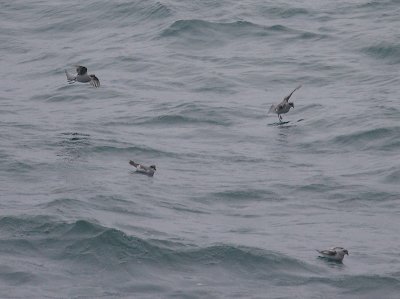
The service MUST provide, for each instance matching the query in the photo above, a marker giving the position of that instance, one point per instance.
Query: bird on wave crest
(334, 254)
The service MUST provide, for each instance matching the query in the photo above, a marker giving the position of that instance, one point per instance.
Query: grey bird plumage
(147, 170)
(82, 76)
(335, 254)
(284, 106)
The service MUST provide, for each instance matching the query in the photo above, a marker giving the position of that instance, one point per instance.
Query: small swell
(213, 32)
(205, 29)
(384, 51)
(380, 138)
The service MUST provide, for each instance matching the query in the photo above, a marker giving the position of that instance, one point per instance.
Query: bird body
(284, 106)
(334, 254)
(143, 169)
(82, 76)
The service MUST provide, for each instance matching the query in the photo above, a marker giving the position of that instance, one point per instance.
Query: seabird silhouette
(143, 169)
(284, 106)
(82, 76)
(334, 254)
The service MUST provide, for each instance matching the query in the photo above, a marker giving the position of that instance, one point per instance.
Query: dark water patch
(285, 12)
(245, 259)
(201, 28)
(183, 208)
(63, 98)
(189, 114)
(14, 278)
(13, 166)
(183, 119)
(377, 139)
(279, 123)
(63, 203)
(318, 187)
(393, 176)
(142, 10)
(40, 57)
(373, 5)
(215, 84)
(25, 225)
(216, 34)
(73, 145)
(371, 286)
(200, 32)
(64, 19)
(313, 107)
(120, 206)
(368, 196)
(132, 150)
(87, 242)
(384, 51)
(243, 195)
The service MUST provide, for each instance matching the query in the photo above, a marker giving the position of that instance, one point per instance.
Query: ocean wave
(143, 10)
(204, 28)
(189, 113)
(373, 5)
(243, 195)
(393, 176)
(64, 19)
(133, 150)
(82, 247)
(384, 51)
(362, 286)
(287, 12)
(183, 119)
(217, 32)
(87, 241)
(378, 138)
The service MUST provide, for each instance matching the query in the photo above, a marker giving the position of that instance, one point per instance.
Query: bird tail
(271, 109)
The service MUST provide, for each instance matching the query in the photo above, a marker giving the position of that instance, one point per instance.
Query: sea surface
(239, 201)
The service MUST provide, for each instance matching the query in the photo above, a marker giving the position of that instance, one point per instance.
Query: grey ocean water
(239, 203)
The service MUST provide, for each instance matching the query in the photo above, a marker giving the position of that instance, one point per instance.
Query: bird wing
(70, 77)
(337, 248)
(134, 164)
(94, 81)
(327, 252)
(81, 70)
(288, 97)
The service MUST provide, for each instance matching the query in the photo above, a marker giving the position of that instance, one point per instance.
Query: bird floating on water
(334, 254)
(284, 106)
(82, 76)
(144, 169)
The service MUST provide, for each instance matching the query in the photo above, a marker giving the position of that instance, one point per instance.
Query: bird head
(291, 104)
(345, 251)
(153, 167)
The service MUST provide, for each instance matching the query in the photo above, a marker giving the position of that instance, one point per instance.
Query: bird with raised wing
(147, 170)
(82, 76)
(284, 106)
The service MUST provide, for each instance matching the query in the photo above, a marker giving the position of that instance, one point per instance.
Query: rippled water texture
(239, 202)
